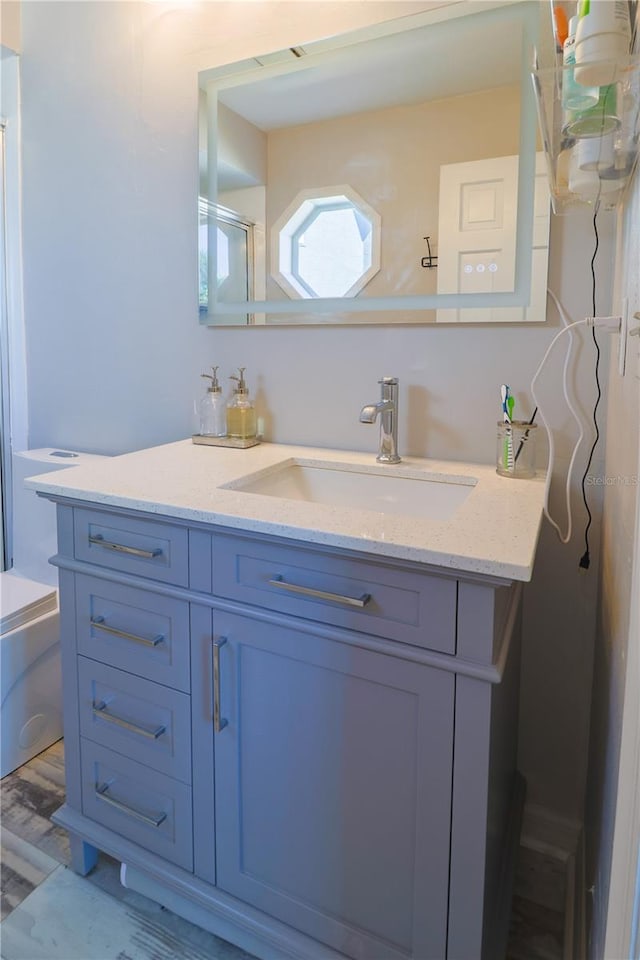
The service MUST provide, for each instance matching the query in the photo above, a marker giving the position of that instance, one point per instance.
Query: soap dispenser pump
(241, 413)
(213, 419)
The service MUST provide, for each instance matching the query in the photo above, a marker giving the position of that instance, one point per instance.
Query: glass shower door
(5, 474)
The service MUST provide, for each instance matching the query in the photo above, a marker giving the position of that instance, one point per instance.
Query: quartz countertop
(493, 533)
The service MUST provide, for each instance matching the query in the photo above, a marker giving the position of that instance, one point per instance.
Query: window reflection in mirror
(326, 243)
(385, 116)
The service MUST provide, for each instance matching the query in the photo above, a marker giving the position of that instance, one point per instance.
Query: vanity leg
(84, 856)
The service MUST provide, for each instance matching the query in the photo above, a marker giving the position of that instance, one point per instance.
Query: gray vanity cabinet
(308, 751)
(332, 786)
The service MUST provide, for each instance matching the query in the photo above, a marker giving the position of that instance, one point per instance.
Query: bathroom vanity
(296, 721)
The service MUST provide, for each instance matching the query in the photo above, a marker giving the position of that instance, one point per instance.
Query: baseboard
(546, 831)
(563, 839)
(499, 935)
(579, 913)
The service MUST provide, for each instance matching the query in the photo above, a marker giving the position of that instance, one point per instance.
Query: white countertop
(494, 532)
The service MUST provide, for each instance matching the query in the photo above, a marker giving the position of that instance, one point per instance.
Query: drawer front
(398, 603)
(148, 808)
(134, 630)
(147, 548)
(137, 718)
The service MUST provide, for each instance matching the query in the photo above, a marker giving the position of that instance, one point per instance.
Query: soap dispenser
(241, 413)
(213, 414)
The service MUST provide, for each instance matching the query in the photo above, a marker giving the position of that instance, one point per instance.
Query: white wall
(618, 590)
(115, 351)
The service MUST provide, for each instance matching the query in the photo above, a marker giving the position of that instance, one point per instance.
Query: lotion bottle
(241, 413)
(213, 414)
(575, 96)
(603, 39)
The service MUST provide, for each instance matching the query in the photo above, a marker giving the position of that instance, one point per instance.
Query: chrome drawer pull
(100, 710)
(362, 601)
(153, 821)
(101, 625)
(218, 723)
(99, 541)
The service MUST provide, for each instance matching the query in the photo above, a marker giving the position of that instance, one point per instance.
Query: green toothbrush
(510, 459)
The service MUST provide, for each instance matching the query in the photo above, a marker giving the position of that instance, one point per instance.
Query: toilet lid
(22, 600)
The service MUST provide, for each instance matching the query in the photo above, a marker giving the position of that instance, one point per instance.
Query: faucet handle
(389, 381)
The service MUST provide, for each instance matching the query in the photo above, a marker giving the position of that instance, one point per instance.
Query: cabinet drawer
(146, 548)
(125, 627)
(138, 803)
(389, 601)
(137, 718)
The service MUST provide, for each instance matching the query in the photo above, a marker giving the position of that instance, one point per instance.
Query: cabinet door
(333, 786)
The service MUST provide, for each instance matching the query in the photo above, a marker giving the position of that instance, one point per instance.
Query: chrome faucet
(387, 407)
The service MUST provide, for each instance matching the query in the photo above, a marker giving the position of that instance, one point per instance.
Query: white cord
(612, 323)
(568, 328)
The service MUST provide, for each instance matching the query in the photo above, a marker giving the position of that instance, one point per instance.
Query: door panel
(333, 781)
(477, 238)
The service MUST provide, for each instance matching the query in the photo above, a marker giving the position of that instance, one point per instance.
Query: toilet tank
(34, 519)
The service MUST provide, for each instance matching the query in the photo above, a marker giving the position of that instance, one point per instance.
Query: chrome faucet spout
(369, 413)
(387, 407)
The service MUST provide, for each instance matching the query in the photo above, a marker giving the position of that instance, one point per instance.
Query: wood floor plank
(537, 933)
(66, 918)
(29, 796)
(22, 868)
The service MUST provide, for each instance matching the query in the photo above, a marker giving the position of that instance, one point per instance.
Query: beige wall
(242, 150)
(10, 25)
(392, 158)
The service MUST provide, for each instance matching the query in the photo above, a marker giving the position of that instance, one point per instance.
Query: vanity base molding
(231, 919)
(190, 898)
(307, 777)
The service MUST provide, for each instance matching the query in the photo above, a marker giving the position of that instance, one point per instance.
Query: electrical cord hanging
(612, 324)
(567, 328)
(585, 559)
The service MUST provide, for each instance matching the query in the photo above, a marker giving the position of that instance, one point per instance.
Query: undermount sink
(396, 490)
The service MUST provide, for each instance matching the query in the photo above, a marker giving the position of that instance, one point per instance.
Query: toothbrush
(510, 405)
(507, 408)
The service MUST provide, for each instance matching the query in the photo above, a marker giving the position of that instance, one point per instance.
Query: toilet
(30, 680)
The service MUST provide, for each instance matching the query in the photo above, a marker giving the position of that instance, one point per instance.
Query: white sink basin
(392, 489)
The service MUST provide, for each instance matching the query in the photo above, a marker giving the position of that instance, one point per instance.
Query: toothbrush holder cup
(516, 449)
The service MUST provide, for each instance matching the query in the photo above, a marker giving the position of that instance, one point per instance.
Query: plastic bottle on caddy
(575, 96)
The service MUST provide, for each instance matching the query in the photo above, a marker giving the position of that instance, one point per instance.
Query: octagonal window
(326, 244)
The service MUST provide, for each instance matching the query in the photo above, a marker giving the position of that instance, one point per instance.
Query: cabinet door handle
(218, 723)
(99, 541)
(279, 581)
(151, 819)
(100, 710)
(99, 622)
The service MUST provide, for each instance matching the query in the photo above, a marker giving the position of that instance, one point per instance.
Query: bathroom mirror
(387, 175)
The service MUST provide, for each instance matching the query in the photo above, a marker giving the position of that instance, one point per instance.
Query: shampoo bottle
(241, 413)
(575, 96)
(213, 419)
(603, 38)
